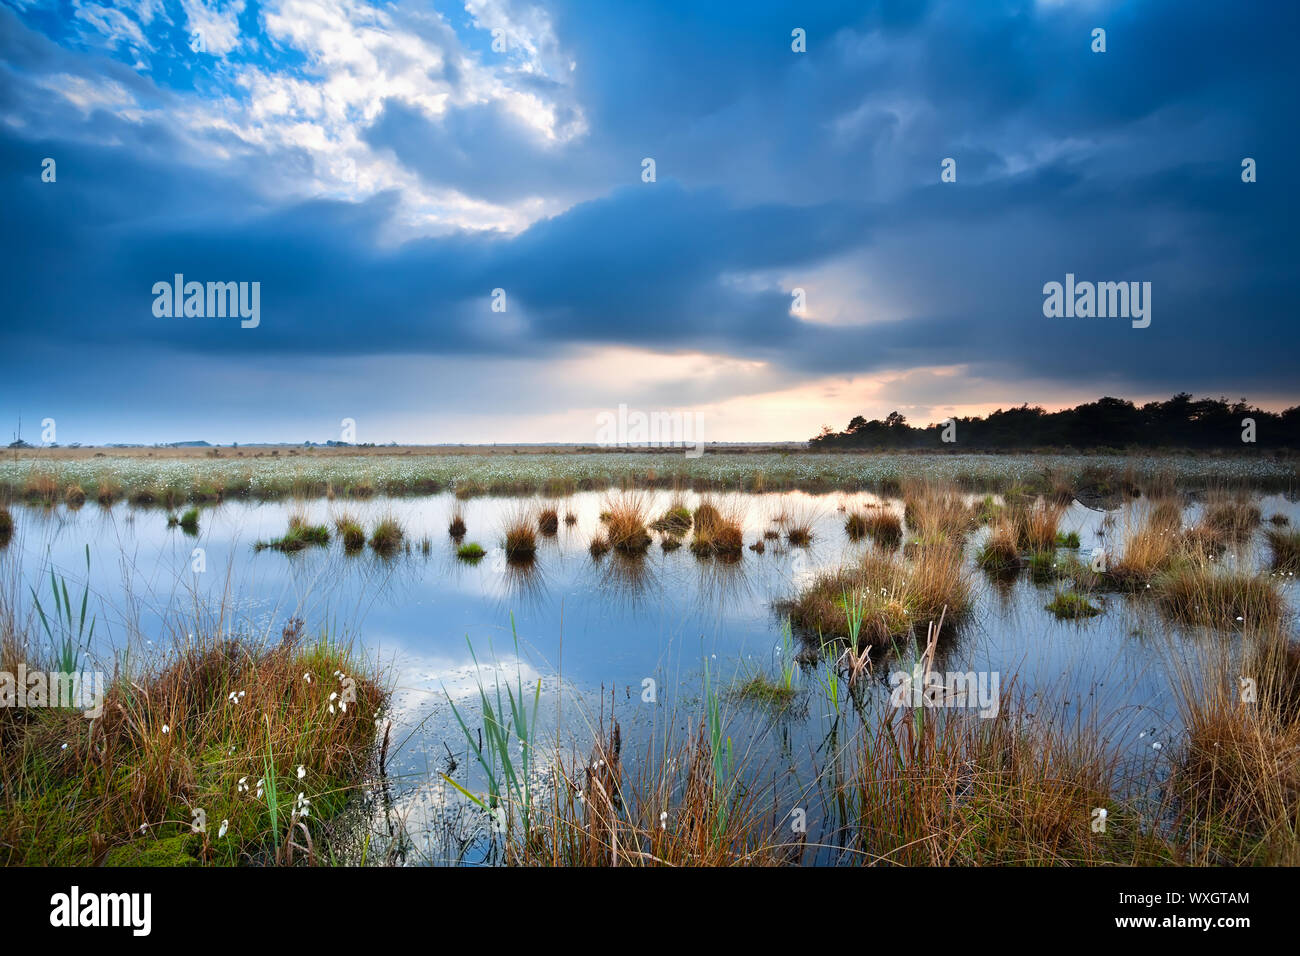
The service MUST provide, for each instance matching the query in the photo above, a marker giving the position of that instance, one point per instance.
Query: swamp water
(633, 637)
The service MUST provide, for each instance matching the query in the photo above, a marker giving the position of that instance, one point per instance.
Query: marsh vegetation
(680, 704)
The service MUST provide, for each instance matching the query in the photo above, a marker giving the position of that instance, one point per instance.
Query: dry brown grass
(519, 539)
(1237, 777)
(625, 524)
(970, 791)
(1231, 516)
(878, 523)
(1036, 526)
(548, 520)
(676, 811)
(1203, 594)
(1000, 551)
(936, 511)
(891, 596)
(120, 789)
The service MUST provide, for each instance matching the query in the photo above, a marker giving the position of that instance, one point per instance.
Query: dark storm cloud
(770, 163)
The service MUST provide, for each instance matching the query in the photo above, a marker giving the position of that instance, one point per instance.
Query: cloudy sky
(381, 168)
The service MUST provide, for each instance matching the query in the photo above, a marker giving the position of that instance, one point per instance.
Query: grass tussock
(349, 529)
(519, 540)
(1233, 518)
(220, 726)
(1000, 551)
(1284, 549)
(1202, 594)
(970, 791)
(456, 527)
(301, 534)
(1072, 606)
(676, 520)
(877, 523)
(625, 526)
(936, 512)
(470, 552)
(40, 488)
(548, 521)
(6, 525)
(797, 521)
(719, 531)
(74, 496)
(1036, 526)
(386, 536)
(884, 598)
(1148, 553)
(1236, 775)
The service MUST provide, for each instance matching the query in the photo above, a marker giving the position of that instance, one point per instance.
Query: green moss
(471, 551)
(1045, 569)
(988, 511)
(297, 538)
(761, 689)
(170, 851)
(673, 521)
(1071, 605)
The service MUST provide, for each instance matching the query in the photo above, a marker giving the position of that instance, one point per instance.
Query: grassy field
(173, 477)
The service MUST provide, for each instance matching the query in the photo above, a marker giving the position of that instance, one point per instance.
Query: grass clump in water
(999, 554)
(386, 536)
(878, 523)
(1202, 594)
(300, 535)
(1284, 548)
(718, 532)
(471, 552)
(675, 521)
(349, 528)
(625, 527)
(761, 689)
(1072, 606)
(520, 540)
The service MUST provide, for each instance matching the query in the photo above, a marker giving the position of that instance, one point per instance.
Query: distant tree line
(1181, 422)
